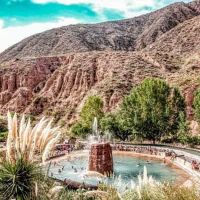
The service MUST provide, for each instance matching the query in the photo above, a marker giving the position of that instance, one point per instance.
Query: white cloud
(12, 35)
(129, 8)
(1, 24)
(124, 6)
(114, 4)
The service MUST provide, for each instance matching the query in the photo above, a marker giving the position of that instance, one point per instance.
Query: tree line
(153, 110)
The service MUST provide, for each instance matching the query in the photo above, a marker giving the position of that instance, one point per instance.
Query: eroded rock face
(111, 75)
(21, 80)
(100, 159)
(189, 94)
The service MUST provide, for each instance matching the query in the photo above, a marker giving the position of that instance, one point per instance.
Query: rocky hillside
(54, 76)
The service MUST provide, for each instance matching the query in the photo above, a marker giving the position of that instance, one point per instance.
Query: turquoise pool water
(126, 171)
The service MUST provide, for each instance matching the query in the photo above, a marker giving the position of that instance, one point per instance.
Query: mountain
(53, 72)
(128, 35)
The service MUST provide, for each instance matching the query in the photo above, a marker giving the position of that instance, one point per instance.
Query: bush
(78, 129)
(3, 125)
(196, 105)
(3, 136)
(193, 140)
(19, 180)
(183, 139)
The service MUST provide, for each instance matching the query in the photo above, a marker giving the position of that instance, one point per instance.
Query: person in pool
(75, 170)
(148, 162)
(138, 164)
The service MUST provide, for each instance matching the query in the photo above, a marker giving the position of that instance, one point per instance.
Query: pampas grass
(27, 142)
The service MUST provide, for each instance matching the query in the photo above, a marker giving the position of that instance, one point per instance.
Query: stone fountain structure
(100, 159)
(100, 156)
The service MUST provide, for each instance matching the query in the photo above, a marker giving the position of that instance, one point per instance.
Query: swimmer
(59, 171)
(138, 164)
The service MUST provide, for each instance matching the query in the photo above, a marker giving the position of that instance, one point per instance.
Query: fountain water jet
(100, 156)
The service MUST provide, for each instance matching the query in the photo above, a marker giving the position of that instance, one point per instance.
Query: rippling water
(126, 170)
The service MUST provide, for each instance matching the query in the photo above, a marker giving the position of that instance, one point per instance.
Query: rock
(54, 192)
(97, 194)
(194, 127)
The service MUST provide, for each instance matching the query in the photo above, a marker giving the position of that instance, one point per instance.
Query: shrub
(78, 129)
(3, 136)
(21, 177)
(19, 180)
(3, 125)
(27, 140)
(193, 140)
(196, 105)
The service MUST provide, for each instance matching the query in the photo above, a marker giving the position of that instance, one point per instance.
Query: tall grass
(29, 143)
(165, 191)
(21, 177)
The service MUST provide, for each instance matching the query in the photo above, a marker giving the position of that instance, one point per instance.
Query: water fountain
(100, 159)
(94, 165)
(100, 155)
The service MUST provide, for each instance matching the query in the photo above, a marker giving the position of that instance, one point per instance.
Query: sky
(22, 18)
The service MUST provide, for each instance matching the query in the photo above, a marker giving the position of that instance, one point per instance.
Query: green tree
(78, 129)
(183, 130)
(153, 109)
(196, 105)
(115, 124)
(92, 108)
